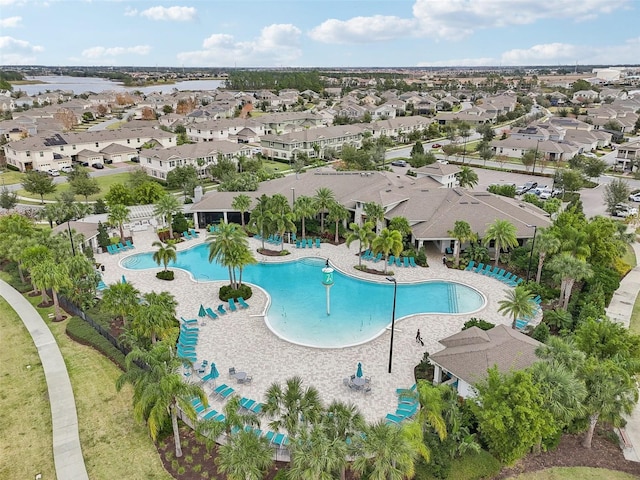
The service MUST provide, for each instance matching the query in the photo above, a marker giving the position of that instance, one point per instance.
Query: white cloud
(544, 54)
(175, 14)
(457, 19)
(362, 29)
(458, 62)
(277, 44)
(17, 52)
(95, 53)
(10, 22)
(130, 12)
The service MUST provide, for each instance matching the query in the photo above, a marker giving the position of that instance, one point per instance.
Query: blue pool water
(360, 310)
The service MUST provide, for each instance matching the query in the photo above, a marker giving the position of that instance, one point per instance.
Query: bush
(504, 190)
(541, 333)
(165, 275)
(226, 292)
(478, 322)
(80, 331)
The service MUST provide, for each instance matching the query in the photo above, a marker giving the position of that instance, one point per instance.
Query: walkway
(67, 453)
(620, 310)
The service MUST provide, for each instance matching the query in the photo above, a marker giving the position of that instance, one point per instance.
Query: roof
(470, 353)
(87, 229)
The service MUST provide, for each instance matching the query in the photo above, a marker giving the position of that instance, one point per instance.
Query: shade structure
(202, 312)
(124, 280)
(359, 371)
(214, 371)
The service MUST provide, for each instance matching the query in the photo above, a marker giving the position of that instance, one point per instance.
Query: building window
(41, 154)
(97, 144)
(128, 140)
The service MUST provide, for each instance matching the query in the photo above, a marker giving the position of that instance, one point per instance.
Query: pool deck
(242, 340)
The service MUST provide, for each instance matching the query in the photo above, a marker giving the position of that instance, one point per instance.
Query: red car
(436, 145)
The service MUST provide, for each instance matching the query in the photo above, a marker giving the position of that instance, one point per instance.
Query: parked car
(97, 165)
(635, 197)
(135, 159)
(444, 162)
(53, 172)
(436, 145)
(623, 210)
(589, 154)
(399, 163)
(526, 187)
(541, 188)
(66, 169)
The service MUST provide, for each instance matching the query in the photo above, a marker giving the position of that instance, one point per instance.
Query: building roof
(87, 229)
(470, 353)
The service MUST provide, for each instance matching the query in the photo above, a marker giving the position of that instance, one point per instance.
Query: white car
(634, 197)
(53, 172)
(590, 155)
(66, 169)
(623, 210)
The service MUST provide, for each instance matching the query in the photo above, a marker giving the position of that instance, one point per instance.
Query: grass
(113, 444)
(27, 448)
(629, 257)
(472, 466)
(634, 324)
(272, 166)
(104, 182)
(575, 473)
(11, 177)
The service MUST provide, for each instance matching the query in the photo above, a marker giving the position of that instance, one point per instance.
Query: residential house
(628, 155)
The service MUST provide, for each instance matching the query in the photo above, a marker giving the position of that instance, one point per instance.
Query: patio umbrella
(214, 371)
(201, 313)
(359, 371)
(124, 280)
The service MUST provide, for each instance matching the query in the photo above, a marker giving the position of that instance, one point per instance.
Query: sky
(319, 33)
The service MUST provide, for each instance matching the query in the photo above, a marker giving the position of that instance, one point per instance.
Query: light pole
(393, 319)
(73, 249)
(293, 196)
(535, 157)
(533, 244)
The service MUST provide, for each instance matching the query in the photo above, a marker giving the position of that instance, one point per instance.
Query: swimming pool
(360, 310)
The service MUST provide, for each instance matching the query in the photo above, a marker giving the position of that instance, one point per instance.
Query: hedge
(82, 332)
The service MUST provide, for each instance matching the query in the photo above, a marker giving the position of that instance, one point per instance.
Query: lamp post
(73, 248)
(535, 157)
(393, 319)
(293, 196)
(533, 244)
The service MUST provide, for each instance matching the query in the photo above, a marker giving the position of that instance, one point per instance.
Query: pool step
(453, 298)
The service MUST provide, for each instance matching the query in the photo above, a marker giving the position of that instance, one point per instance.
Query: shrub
(80, 331)
(541, 333)
(165, 275)
(504, 190)
(478, 322)
(226, 292)
(621, 267)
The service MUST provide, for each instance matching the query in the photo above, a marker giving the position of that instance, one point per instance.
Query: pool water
(360, 310)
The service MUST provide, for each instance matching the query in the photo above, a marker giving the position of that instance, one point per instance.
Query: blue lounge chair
(377, 258)
(110, 249)
(227, 392)
(405, 262)
(479, 267)
(298, 244)
(394, 418)
(101, 285)
(412, 262)
(279, 440)
(365, 254)
(257, 408)
(189, 321)
(186, 235)
(487, 269)
(211, 313)
(519, 281)
(310, 242)
(242, 303)
(398, 262)
(407, 391)
(189, 329)
(221, 309)
(317, 243)
(269, 436)
(497, 274)
(232, 305)
(121, 247)
(303, 243)
(293, 237)
(193, 233)
(188, 342)
(247, 403)
(129, 244)
(211, 414)
(471, 264)
(392, 260)
(506, 278)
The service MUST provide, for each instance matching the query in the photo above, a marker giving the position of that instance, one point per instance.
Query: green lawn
(113, 444)
(272, 166)
(634, 324)
(629, 257)
(105, 183)
(10, 177)
(575, 473)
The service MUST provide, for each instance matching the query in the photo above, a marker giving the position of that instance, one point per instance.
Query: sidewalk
(620, 310)
(67, 453)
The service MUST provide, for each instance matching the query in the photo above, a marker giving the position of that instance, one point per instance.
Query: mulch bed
(272, 253)
(570, 453)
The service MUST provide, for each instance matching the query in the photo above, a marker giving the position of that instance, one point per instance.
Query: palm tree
(118, 216)
(164, 254)
(49, 274)
(374, 213)
(242, 203)
(166, 207)
(337, 213)
(210, 429)
(363, 234)
(159, 391)
(156, 318)
(387, 453)
(30, 256)
(120, 299)
(229, 247)
(461, 233)
(245, 456)
(343, 422)
(323, 198)
(503, 233)
(260, 218)
(467, 177)
(546, 244)
(569, 270)
(293, 407)
(282, 223)
(315, 455)
(84, 280)
(303, 208)
(519, 303)
(388, 241)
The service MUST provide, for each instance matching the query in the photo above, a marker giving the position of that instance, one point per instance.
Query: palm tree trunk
(360, 255)
(169, 221)
(121, 233)
(56, 305)
(304, 231)
(540, 263)
(567, 293)
(497, 247)
(593, 420)
(230, 276)
(21, 273)
(386, 262)
(336, 233)
(176, 430)
(45, 299)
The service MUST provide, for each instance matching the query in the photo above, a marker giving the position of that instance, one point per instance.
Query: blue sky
(322, 33)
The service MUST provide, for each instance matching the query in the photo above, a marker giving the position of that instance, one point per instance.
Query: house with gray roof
(469, 354)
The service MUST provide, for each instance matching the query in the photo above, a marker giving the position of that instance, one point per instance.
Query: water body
(79, 85)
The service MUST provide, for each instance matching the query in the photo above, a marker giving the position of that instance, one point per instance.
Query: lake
(79, 85)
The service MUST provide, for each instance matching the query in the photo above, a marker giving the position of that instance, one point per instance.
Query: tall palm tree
(387, 453)
(165, 253)
(31, 256)
(229, 246)
(569, 270)
(503, 233)
(84, 280)
(519, 303)
(467, 177)
(156, 318)
(546, 244)
(342, 422)
(363, 234)
(282, 223)
(166, 207)
(461, 233)
(303, 208)
(388, 241)
(316, 456)
(260, 218)
(159, 391)
(245, 456)
(120, 299)
(337, 213)
(323, 198)
(242, 203)
(293, 407)
(118, 216)
(49, 274)
(374, 213)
